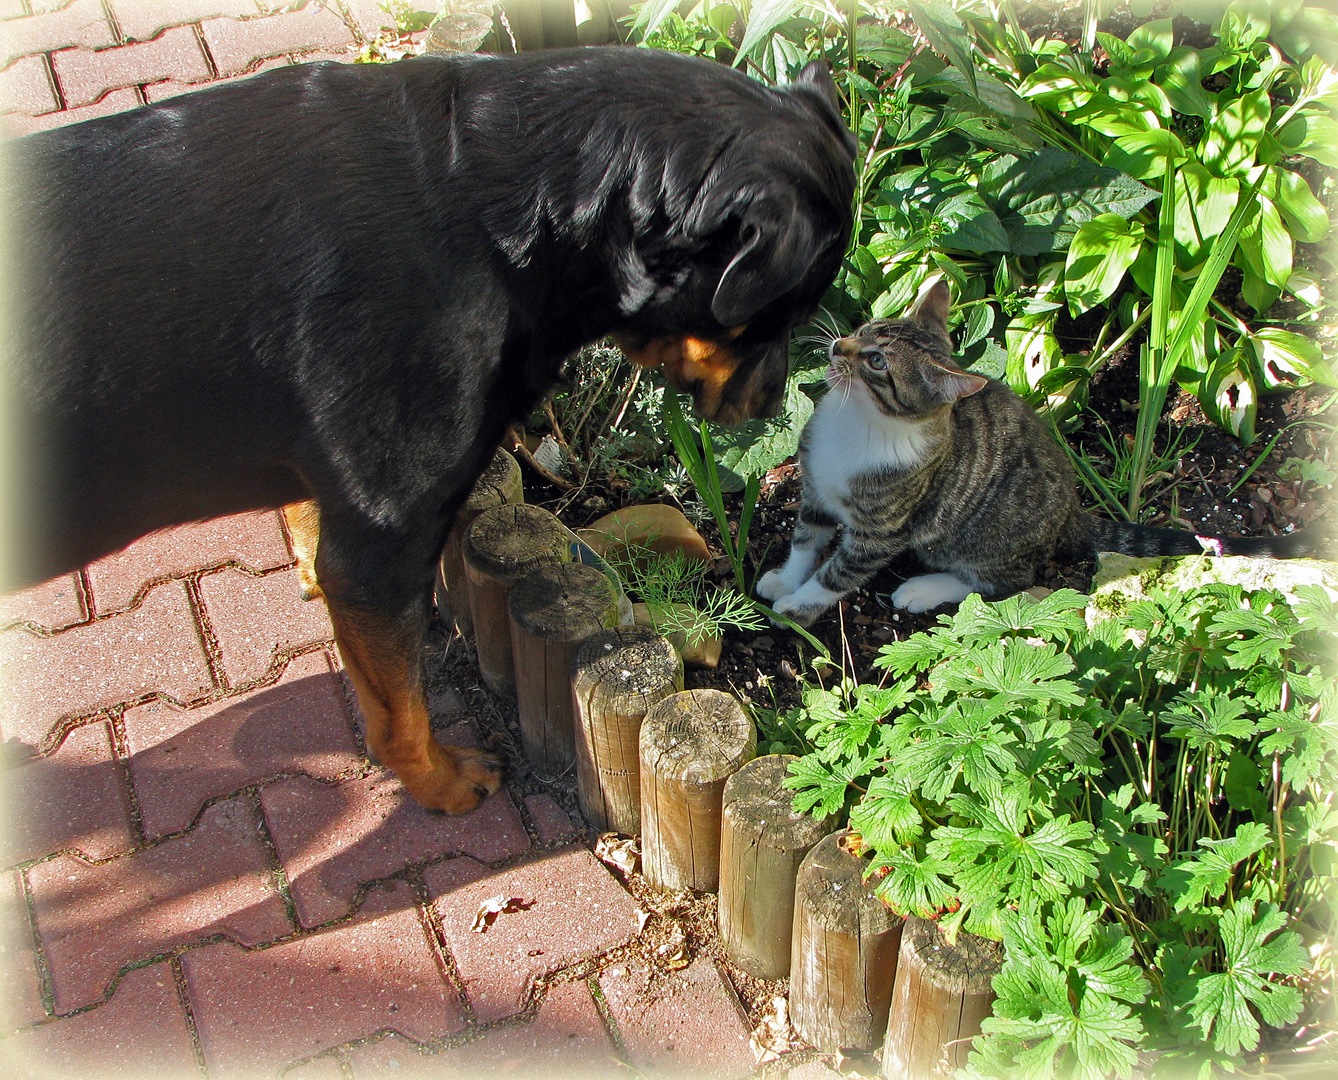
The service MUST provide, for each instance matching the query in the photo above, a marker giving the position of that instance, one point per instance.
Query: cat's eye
(876, 361)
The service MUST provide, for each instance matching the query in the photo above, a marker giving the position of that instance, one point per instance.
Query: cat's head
(904, 365)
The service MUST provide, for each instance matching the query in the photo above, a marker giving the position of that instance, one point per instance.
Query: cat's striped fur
(909, 451)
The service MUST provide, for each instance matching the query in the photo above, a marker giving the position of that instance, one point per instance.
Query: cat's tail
(1088, 534)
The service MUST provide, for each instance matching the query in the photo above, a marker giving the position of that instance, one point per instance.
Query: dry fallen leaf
(498, 905)
(642, 917)
(621, 853)
(773, 1036)
(675, 949)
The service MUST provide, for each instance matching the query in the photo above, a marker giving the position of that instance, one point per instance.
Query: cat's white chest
(848, 436)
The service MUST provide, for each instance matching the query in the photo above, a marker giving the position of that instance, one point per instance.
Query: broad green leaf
(1205, 874)
(962, 741)
(1182, 81)
(1233, 134)
(1014, 670)
(820, 784)
(1305, 214)
(1100, 253)
(887, 816)
(763, 17)
(919, 652)
(1206, 718)
(979, 324)
(756, 446)
(1056, 617)
(1287, 360)
(651, 14)
(1222, 1003)
(996, 96)
(916, 884)
(1041, 200)
(946, 35)
(1059, 88)
(1203, 209)
(885, 46)
(1143, 154)
(1267, 245)
(1314, 135)
(1155, 37)
(1113, 118)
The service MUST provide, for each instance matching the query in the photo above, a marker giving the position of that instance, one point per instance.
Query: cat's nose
(845, 346)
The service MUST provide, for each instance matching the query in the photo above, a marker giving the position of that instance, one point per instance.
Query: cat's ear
(953, 384)
(931, 310)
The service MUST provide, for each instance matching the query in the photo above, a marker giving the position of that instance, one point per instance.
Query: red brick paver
(254, 541)
(21, 1003)
(18, 124)
(499, 965)
(333, 838)
(93, 920)
(72, 800)
(85, 76)
(142, 20)
(240, 46)
(51, 606)
(685, 1025)
(550, 820)
(565, 1041)
(182, 758)
(142, 1031)
(164, 90)
(258, 1010)
(155, 649)
(82, 22)
(25, 88)
(256, 619)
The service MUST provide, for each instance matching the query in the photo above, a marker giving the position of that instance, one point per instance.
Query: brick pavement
(203, 874)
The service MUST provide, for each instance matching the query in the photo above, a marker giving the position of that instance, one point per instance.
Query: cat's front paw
(806, 604)
(930, 591)
(773, 585)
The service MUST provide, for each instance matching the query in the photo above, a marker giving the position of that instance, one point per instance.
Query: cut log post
(617, 675)
(501, 547)
(691, 743)
(500, 483)
(762, 843)
(942, 994)
(844, 957)
(553, 609)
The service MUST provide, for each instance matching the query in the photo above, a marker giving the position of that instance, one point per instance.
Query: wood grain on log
(617, 675)
(762, 843)
(691, 743)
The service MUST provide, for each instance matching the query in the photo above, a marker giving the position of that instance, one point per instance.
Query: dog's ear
(779, 248)
(816, 78)
(815, 88)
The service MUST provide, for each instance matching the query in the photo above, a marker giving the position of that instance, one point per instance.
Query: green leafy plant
(675, 589)
(1139, 808)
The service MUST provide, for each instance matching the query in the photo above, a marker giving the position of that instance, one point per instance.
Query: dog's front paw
(459, 780)
(930, 591)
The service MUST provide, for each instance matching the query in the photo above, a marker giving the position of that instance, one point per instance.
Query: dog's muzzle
(725, 386)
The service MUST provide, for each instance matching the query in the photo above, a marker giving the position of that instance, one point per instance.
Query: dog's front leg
(379, 613)
(381, 656)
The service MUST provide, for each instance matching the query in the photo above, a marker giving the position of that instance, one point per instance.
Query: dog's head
(738, 230)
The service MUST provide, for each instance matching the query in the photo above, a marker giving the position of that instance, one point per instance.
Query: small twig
(523, 451)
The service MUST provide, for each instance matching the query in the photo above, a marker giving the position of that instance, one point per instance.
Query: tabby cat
(909, 451)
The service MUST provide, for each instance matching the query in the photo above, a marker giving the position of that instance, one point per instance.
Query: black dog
(341, 284)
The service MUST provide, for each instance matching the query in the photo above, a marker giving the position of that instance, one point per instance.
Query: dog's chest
(848, 437)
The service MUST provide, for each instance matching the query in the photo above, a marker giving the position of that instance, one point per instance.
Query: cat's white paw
(774, 584)
(806, 603)
(930, 591)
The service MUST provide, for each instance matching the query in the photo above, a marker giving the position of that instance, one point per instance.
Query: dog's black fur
(342, 283)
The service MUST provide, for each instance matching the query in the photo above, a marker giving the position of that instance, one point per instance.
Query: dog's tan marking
(380, 658)
(690, 363)
(304, 531)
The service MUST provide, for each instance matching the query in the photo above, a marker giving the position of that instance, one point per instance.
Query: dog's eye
(876, 362)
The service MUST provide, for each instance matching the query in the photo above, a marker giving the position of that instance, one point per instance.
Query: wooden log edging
(762, 843)
(843, 960)
(617, 676)
(500, 483)
(942, 994)
(690, 744)
(553, 609)
(502, 546)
